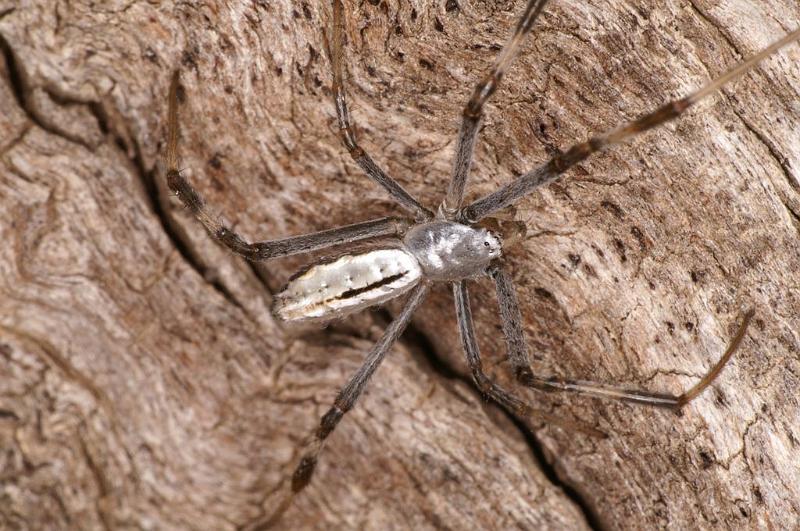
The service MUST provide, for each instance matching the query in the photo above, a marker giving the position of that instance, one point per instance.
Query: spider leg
(523, 185)
(268, 249)
(358, 154)
(349, 393)
(518, 356)
(473, 111)
(488, 388)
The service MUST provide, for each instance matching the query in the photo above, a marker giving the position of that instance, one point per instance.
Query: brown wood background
(144, 384)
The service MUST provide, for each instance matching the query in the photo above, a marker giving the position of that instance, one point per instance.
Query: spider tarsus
(715, 371)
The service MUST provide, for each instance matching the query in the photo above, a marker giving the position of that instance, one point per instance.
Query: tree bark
(145, 384)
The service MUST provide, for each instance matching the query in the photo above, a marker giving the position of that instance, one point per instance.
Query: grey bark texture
(144, 383)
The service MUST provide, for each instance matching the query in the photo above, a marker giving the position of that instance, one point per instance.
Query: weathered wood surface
(144, 384)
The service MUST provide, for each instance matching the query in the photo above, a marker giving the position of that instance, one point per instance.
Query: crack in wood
(416, 340)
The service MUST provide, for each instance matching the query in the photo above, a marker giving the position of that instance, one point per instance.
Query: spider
(455, 243)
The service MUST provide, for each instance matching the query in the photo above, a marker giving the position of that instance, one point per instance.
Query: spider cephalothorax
(447, 250)
(460, 242)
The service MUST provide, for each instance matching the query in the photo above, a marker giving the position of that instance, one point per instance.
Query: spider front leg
(473, 111)
(349, 394)
(515, 190)
(518, 357)
(358, 154)
(266, 250)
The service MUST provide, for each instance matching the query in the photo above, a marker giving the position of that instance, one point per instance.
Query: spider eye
(486, 244)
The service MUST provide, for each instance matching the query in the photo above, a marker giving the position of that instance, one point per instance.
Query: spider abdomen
(348, 284)
(447, 250)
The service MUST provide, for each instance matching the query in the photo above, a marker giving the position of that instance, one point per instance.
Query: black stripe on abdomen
(375, 285)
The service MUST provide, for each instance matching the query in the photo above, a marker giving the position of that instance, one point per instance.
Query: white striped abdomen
(347, 285)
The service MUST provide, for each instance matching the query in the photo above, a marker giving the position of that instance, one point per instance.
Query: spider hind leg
(349, 394)
(511, 319)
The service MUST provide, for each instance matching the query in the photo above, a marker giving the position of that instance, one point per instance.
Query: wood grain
(144, 384)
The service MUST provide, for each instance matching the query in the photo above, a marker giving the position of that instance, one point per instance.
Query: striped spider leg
(259, 251)
(513, 192)
(517, 189)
